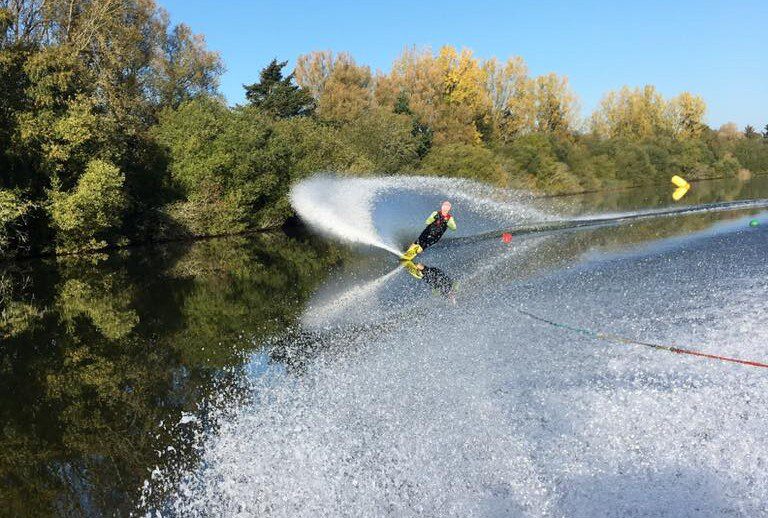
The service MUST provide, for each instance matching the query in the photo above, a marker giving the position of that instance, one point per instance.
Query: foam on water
(475, 410)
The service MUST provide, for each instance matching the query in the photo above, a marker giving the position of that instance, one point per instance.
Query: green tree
(211, 150)
(83, 81)
(634, 165)
(234, 167)
(533, 163)
(726, 166)
(186, 69)
(385, 138)
(464, 161)
(752, 154)
(278, 95)
(89, 215)
(749, 132)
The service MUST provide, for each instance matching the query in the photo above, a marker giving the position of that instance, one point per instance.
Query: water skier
(437, 223)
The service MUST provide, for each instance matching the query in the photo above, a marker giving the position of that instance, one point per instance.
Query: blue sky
(717, 49)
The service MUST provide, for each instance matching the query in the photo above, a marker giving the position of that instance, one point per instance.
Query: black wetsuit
(434, 231)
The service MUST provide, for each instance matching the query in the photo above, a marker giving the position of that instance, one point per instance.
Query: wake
(623, 217)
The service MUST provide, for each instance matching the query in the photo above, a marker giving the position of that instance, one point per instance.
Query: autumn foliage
(113, 131)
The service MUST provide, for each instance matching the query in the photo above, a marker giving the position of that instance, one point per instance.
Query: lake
(299, 376)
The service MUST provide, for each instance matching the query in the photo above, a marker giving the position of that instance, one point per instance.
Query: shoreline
(293, 226)
(640, 186)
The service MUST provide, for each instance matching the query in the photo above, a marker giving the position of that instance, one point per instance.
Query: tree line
(112, 129)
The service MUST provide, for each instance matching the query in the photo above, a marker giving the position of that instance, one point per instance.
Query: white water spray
(340, 209)
(357, 298)
(387, 212)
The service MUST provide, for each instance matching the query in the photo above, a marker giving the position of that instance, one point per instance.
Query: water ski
(411, 268)
(412, 252)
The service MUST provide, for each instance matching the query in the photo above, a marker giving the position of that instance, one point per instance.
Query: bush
(12, 213)
(191, 135)
(89, 215)
(752, 153)
(691, 159)
(533, 162)
(233, 167)
(634, 166)
(386, 139)
(465, 161)
(726, 166)
(212, 154)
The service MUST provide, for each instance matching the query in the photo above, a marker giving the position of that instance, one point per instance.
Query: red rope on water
(616, 338)
(721, 358)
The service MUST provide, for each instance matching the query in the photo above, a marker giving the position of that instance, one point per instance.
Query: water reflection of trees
(708, 191)
(96, 354)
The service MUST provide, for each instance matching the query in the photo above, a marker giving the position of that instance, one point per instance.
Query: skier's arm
(452, 223)
(431, 218)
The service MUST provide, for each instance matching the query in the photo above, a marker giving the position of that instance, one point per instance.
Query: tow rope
(620, 339)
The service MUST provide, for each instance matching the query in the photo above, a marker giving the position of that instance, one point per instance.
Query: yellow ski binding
(412, 252)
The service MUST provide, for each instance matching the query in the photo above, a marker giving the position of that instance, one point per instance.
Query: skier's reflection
(435, 278)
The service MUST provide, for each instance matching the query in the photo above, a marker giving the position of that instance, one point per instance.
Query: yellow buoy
(680, 182)
(680, 192)
(682, 187)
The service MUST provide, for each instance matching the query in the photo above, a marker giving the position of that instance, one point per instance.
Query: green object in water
(754, 223)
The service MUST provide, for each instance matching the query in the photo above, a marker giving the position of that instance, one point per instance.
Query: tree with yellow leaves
(556, 104)
(342, 89)
(446, 92)
(348, 92)
(415, 81)
(686, 113)
(729, 131)
(313, 70)
(632, 113)
(511, 95)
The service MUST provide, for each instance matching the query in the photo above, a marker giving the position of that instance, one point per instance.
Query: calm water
(101, 356)
(107, 360)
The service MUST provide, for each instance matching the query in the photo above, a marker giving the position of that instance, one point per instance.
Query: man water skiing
(437, 223)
